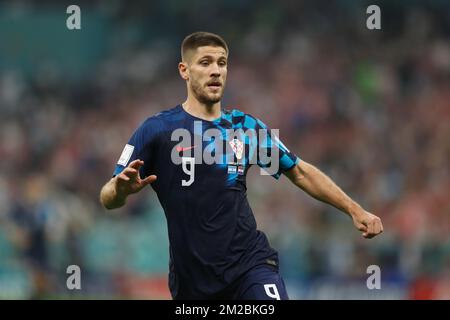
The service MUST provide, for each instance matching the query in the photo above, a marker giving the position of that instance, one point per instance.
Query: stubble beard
(202, 96)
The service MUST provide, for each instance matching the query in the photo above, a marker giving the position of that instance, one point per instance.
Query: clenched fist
(368, 223)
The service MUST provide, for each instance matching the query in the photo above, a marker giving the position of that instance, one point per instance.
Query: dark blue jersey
(201, 167)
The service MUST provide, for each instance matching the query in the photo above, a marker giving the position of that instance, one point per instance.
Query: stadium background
(370, 108)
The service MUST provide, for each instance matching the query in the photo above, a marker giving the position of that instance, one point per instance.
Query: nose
(215, 70)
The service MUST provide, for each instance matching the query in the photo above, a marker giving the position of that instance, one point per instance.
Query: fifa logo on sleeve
(272, 291)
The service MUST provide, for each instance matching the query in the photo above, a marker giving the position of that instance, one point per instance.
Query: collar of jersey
(215, 121)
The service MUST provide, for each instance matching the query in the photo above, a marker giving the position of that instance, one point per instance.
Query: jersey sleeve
(141, 146)
(273, 156)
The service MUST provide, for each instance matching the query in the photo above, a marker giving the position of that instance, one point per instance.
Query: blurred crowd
(369, 108)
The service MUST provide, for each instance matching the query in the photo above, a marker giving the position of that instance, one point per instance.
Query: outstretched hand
(129, 180)
(368, 223)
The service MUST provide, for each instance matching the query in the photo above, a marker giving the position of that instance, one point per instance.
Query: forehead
(213, 51)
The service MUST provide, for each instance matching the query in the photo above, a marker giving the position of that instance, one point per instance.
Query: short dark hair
(201, 39)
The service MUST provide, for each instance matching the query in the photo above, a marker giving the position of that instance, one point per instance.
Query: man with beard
(216, 251)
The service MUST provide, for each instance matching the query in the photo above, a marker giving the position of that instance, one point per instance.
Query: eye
(204, 63)
(222, 63)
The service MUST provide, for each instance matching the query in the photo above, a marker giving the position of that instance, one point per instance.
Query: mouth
(214, 85)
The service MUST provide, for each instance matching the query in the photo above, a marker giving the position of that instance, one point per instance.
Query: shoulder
(159, 121)
(168, 114)
(247, 120)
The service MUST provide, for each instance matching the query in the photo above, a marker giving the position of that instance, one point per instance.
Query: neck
(201, 110)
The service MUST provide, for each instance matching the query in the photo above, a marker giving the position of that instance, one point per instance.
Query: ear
(184, 71)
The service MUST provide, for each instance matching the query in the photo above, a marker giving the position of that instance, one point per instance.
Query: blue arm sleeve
(273, 156)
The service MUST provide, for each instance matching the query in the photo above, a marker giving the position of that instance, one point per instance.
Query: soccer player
(216, 251)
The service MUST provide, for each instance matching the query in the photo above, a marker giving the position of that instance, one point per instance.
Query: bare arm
(320, 186)
(115, 192)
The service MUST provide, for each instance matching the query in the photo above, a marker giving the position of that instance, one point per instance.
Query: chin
(215, 100)
(210, 99)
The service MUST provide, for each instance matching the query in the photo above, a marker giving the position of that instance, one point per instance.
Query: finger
(370, 228)
(380, 224)
(136, 164)
(368, 235)
(122, 177)
(377, 227)
(149, 179)
(130, 172)
(362, 227)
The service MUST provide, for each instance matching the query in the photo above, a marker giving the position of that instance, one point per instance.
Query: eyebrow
(210, 57)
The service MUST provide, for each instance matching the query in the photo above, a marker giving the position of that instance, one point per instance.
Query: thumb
(149, 179)
(360, 226)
